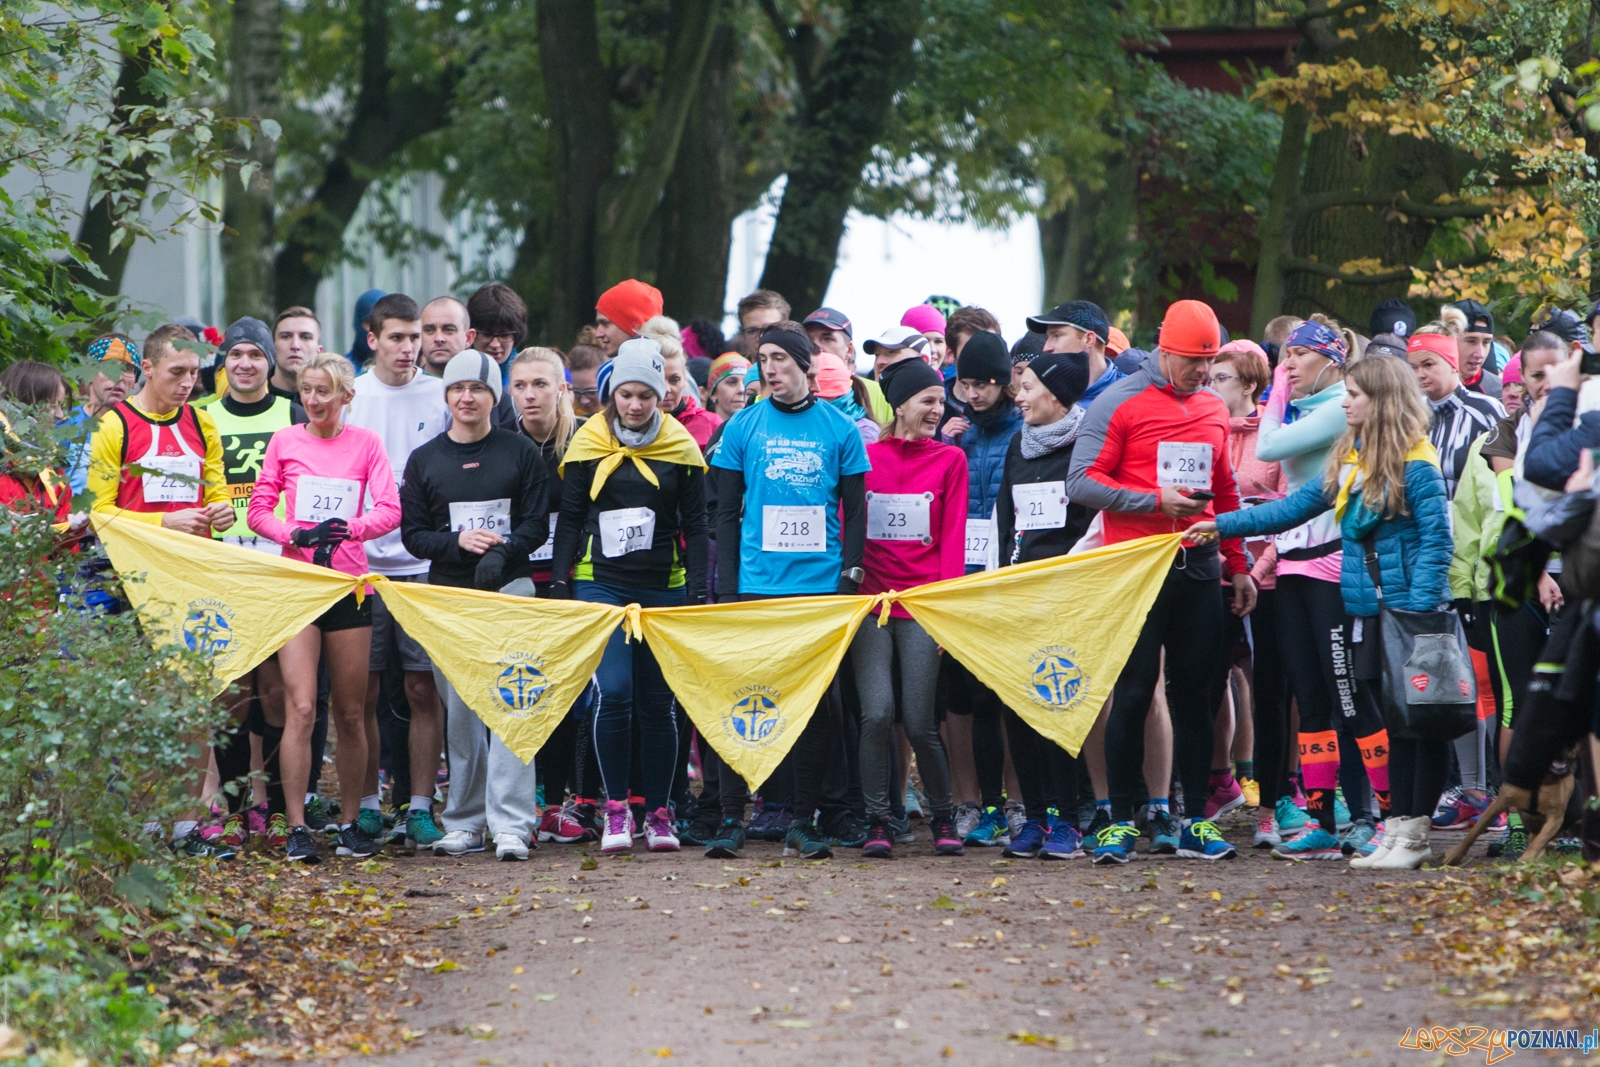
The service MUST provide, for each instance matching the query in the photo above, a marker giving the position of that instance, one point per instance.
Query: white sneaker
(659, 833)
(458, 843)
(1267, 835)
(618, 823)
(510, 847)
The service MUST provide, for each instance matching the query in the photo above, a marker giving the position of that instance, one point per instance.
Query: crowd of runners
(1322, 476)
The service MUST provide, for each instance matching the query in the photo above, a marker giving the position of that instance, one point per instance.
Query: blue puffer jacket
(986, 460)
(1413, 550)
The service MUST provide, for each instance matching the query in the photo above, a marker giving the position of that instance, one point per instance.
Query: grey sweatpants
(872, 653)
(490, 788)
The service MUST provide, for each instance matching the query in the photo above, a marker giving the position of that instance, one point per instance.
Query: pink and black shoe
(946, 842)
(880, 839)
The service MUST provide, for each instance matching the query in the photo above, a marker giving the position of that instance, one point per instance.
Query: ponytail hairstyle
(566, 416)
(1397, 419)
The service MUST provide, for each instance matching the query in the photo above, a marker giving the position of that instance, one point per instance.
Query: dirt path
(974, 959)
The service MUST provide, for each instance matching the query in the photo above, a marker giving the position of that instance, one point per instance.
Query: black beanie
(1027, 347)
(247, 330)
(983, 359)
(798, 345)
(1066, 374)
(1393, 316)
(905, 378)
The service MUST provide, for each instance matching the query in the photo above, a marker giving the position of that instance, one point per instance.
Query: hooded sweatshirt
(916, 515)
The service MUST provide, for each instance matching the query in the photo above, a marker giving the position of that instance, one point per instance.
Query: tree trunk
(1085, 245)
(256, 56)
(701, 198)
(386, 118)
(841, 117)
(1273, 232)
(99, 222)
(1061, 248)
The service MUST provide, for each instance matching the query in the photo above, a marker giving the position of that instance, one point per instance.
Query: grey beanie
(470, 365)
(249, 331)
(639, 360)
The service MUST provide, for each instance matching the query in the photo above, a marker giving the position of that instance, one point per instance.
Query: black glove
(326, 532)
(490, 568)
(560, 591)
(848, 586)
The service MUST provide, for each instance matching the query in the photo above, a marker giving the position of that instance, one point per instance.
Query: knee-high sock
(1319, 763)
(1375, 754)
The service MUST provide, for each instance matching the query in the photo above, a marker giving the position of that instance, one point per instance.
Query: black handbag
(1430, 691)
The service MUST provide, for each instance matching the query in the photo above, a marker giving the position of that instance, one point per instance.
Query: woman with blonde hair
(1383, 484)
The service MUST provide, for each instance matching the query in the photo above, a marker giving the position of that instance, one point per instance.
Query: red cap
(1437, 343)
(1190, 328)
(630, 304)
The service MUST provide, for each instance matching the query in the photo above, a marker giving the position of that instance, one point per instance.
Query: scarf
(1352, 474)
(847, 406)
(1039, 440)
(670, 443)
(639, 438)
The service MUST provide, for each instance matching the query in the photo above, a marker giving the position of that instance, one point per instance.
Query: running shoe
(1225, 795)
(300, 846)
(370, 820)
(212, 830)
(458, 843)
(1289, 815)
(1203, 841)
(421, 831)
(234, 833)
(319, 820)
(618, 834)
(900, 826)
(256, 820)
(967, 816)
(806, 841)
(1267, 833)
(587, 815)
(1016, 817)
(727, 842)
(1252, 792)
(510, 847)
(194, 845)
(846, 831)
(355, 841)
(771, 822)
(636, 809)
(1360, 840)
(1341, 811)
(561, 825)
(658, 831)
(913, 804)
(1097, 822)
(1064, 842)
(1115, 844)
(702, 828)
(1165, 833)
(946, 841)
(1312, 843)
(277, 831)
(1459, 810)
(992, 830)
(1026, 844)
(880, 838)
(1515, 845)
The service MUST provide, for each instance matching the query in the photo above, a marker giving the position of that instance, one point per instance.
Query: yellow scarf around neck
(1422, 450)
(594, 440)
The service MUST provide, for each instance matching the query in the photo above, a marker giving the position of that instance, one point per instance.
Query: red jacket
(700, 423)
(1118, 458)
(20, 493)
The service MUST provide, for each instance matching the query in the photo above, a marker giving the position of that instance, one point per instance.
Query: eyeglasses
(586, 393)
(508, 338)
(1217, 379)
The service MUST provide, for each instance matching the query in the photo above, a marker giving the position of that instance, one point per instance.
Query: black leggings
(1417, 773)
(1314, 632)
(963, 694)
(1046, 772)
(1188, 619)
(1269, 691)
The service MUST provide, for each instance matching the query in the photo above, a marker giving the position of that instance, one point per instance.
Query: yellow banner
(232, 604)
(1049, 637)
(516, 661)
(751, 674)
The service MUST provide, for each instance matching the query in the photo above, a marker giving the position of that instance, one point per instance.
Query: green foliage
(98, 733)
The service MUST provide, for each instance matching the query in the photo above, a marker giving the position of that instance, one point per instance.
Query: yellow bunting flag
(516, 661)
(1069, 624)
(234, 605)
(750, 674)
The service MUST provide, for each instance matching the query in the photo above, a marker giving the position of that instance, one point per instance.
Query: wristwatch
(854, 574)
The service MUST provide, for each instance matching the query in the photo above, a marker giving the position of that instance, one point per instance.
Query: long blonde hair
(1397, 418)
(566, 416)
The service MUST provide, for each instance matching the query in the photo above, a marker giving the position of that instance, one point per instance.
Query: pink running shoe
(618, 822)
(659, 835)
(1225, 795)
(257, 817)
(561, 825)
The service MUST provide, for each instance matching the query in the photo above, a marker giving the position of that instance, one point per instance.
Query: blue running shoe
(992, 830)
(1203, 841)
(1341, 811)
(1116, 843)
(1360, 840)
(727, 841)
(1289, 817)
(1064, 842)
(771, 823)
(1165, 832)
(1312, 843)
(806, 841)
(1026, 845)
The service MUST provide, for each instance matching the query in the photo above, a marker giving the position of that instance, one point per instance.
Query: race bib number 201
(626, 530)
(793, 529)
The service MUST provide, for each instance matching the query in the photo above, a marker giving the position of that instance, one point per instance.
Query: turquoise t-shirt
(792, 463)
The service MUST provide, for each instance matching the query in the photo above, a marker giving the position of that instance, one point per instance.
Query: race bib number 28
(1183, 463)
(793, 529)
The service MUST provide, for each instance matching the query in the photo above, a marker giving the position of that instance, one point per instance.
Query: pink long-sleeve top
(1257, 480)
(347, 476)
(908, 469)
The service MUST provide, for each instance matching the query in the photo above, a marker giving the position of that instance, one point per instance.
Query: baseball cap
(833, 320)
(1479, 318)
(895, 337)
(1084, 314)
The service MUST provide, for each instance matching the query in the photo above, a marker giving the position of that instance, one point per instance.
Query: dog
(1542, 818)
